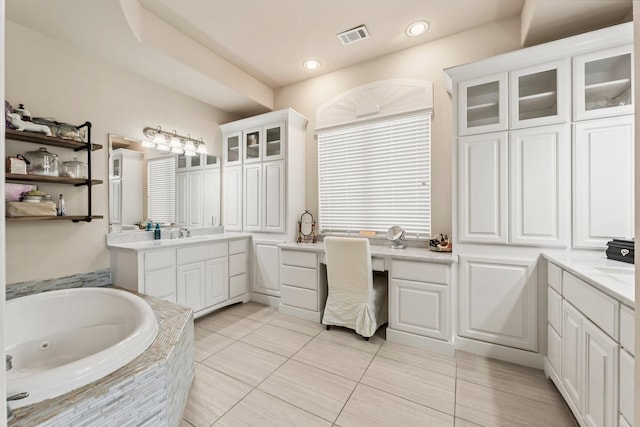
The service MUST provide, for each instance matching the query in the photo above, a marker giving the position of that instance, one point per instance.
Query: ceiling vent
(353, 35)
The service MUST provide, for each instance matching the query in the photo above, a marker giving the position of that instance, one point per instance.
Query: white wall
(54, 80)
(426, 62)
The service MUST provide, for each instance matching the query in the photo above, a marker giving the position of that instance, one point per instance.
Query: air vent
(353, 35)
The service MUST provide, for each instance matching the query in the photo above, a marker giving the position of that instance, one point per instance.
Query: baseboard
(301, 313)
(418, 341)
(234, 300)
(508, 354)
(555, 379)
(265, 299)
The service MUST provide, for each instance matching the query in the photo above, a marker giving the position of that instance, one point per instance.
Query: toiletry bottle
(148, 225)
(62, 209)
(156, 232)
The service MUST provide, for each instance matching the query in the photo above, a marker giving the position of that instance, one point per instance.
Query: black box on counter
(621, 250)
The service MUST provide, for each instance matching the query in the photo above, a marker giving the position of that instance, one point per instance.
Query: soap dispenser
(156, 232)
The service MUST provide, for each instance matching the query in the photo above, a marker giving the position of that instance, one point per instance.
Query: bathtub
(62, 340)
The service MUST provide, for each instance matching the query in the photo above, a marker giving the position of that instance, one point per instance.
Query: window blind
(377, 174)
(161, 189)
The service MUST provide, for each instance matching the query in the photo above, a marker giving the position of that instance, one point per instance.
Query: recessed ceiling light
(417, 28)
(311, 64)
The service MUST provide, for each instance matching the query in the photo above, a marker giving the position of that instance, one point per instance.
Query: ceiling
(235, 54)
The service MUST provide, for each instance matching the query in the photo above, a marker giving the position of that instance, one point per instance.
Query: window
(376, 174)
(161, 189)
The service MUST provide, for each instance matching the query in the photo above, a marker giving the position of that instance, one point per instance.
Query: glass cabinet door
(182, 162)
(274, 142)
(252, 145)
(210, 161)
(483, 105)
(232, 148)
(603, 83)
(540, 95)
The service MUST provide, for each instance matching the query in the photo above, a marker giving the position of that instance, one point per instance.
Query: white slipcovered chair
(355, 300)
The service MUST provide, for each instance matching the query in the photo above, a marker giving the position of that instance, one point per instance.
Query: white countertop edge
(582, 266)
(172, 243)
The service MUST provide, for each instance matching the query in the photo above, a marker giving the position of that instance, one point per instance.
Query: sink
(626, 275)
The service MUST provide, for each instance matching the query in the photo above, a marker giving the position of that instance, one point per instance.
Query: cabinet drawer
(626, 328)
(554, 277)
(420, 271)
(299, 258)
(161, 284)
(377, 264)
(554, 308)
(299, 277)
(554, 350)
(627, 363)
(159, 259)
(237, 285)
(237, 264)
(238, 246)
(600, 308)
(201, 252)
(301, 298)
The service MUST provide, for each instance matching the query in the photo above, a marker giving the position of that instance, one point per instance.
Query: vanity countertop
(408, 253)
(615, 278)
(143, 245)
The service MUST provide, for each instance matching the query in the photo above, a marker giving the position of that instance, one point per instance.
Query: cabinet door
(627, 405)
(540, 176)
(115, 202)
(603, 181)
(483, 183)
(252, 211)
(265, 269)
(191, 285)
(603, 83)
(273, 197)
(216, 285)
(540, 95)
(274, 142)
(195, 203)
(498, 301)
(161, 284)
(253, 145)
(419, 308)
(482, 105)
(233, 198)
(211, 197)
(232, 152)
(600, 377)
(182, 199)
(572, 353)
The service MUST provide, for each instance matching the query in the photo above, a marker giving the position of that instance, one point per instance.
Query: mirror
(306, 228)
(395, 234)
(148, 185)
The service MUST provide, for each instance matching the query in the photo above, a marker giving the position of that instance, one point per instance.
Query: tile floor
(257, 367)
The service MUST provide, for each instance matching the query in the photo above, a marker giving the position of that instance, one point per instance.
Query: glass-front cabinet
(540, 95)
(264, 143)
(252, 145)
(603, 83)
(483, 105)
(199, 161)
(232, 149)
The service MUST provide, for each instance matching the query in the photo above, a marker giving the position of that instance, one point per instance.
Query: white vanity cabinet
(233, 199)
(202, 275)
(304, 289)
(159, 274)
(198, 192)
(238, 267)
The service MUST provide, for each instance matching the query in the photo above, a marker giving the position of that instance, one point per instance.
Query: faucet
(17, 396)
(185, 232)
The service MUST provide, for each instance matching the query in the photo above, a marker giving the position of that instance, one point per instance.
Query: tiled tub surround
(81, 280)
(151, 390)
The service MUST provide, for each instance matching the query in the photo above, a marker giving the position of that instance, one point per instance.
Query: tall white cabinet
(543, 160)
(197, 191)
(264, 182)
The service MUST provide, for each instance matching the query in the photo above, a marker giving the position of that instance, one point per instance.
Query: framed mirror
(306, 228)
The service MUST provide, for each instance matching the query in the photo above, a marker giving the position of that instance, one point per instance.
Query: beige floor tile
(523, 381)
(369, 407)
(314, 390)
(490, 407)
(277, 340)
(417, 357)
(245, 362)
(419, 385)
(185, 423)
(459, 422)
(212, 394)
(296, 325)
(253, 311)
(208, 343)
(261, 409)
(348, 337)
(228, 324)
(337, 359)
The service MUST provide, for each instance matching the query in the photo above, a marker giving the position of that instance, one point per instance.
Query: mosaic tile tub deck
(150, 391)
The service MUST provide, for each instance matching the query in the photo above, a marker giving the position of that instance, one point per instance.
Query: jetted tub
(62, 340)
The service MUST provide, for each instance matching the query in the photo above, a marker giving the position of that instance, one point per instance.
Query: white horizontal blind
(377, 174)
(161, 189)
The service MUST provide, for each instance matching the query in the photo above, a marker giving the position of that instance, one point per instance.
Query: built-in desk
(420, 284)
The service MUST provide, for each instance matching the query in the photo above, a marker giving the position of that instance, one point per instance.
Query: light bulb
(159, 139)
(417, 28)
(202, 149)
(163, 147)
(177, 150)
(188, 146)
(175, 141)
(148, 144)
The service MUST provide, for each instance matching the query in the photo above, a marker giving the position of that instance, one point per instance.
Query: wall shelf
(51, 179)
(74, 218)
(37, 138)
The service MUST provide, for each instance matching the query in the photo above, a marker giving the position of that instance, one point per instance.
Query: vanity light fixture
(417, 28)
(311, 64)
(178, 144)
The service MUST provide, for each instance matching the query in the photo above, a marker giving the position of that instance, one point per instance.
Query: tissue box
(621, 250)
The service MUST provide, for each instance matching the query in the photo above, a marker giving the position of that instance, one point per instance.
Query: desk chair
(354, 300)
